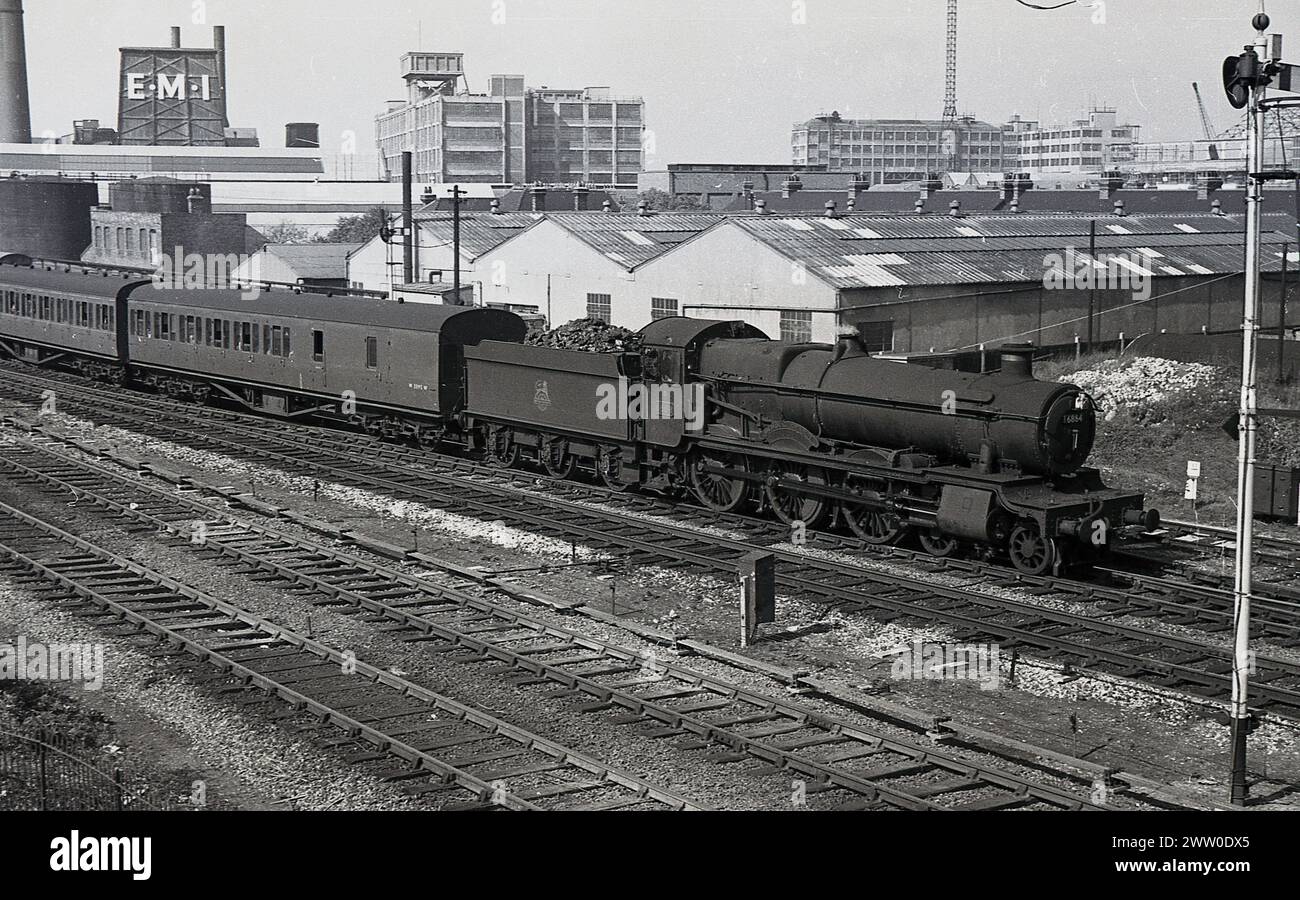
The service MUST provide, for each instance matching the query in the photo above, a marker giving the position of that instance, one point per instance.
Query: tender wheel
(557, 460)
(872, 525)
(718, 491)
(1030, 552)
(609, 463)
(502, 451)
(789, 505)
(938, 544)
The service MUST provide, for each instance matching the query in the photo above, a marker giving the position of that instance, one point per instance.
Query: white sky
(723, 80)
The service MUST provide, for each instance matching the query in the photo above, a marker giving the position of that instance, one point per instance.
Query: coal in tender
(592, 335)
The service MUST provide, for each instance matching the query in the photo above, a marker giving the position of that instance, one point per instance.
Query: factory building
(906, 284)
(377, 265)
(511, 134)
(150, 219)
(891, 151)
(923, 283)
(574, 265)
(320, 267)
(1095, 143)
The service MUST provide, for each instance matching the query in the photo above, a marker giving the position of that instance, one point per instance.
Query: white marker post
(1191, 490)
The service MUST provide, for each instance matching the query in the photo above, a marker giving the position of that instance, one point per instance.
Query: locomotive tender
(817, 434)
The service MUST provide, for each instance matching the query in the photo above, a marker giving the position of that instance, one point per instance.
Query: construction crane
(950, 133)
(1210, 133)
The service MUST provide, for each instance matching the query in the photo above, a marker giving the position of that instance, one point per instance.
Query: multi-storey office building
(893, 151)
(510, 135)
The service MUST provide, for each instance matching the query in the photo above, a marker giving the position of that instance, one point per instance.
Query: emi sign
(168, 87)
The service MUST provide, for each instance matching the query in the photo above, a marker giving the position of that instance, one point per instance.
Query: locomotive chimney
(1018, 359)
(15, 108)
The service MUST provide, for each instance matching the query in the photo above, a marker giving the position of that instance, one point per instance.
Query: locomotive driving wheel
(936, 543)
(873, 525)
(789, 504)
(1030, 552)
(556, 458)
(719, 491)
(502, 451)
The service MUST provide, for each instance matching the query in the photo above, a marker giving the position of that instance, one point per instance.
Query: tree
(356, 229)
(285, 233)
(662, 200)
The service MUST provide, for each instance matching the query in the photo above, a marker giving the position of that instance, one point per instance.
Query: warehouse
(916, 283)
(377, 266)
(572, 265)
(321, 266)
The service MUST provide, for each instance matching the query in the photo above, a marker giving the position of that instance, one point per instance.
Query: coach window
(287, 349)
(318, 345)
(130, 241)
(372, 353)
(277, 341)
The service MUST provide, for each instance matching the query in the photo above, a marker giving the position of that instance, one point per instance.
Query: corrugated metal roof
(865, 251)
(325, 261)
(631, 239)
(479, 232)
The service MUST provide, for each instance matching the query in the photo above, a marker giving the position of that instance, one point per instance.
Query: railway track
(1085, 643)
(1199, 539)
(855, 766)
(1193, 598)
(436, 743)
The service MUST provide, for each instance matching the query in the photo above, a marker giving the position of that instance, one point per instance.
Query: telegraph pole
(408, 222)
(455, 240)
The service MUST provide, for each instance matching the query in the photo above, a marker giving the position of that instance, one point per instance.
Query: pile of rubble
(1153, 390)
(591, 335)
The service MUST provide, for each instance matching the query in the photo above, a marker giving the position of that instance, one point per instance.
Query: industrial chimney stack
(15, 111)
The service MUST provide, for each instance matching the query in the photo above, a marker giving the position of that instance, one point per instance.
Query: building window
(796, 325)
(600, 306)
(662, 307)
(877, 337)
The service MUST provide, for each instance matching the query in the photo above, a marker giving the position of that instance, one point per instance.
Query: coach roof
(105, 286)
(322, 308)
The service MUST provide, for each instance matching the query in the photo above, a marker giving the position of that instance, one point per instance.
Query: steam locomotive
(817, 435)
